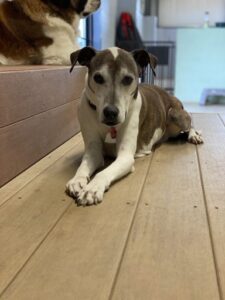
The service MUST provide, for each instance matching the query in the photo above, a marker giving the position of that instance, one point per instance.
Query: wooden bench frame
(38, 107)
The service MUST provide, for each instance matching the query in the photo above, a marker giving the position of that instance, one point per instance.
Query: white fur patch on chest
(109, 139)
(64, 40)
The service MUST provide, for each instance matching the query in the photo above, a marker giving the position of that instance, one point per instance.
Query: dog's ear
(143, 58)
(173, 114)
(82, 56)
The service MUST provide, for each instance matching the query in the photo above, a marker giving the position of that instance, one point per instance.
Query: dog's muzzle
(110, 114)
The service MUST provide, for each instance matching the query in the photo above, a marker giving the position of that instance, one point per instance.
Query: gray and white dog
(119, 116)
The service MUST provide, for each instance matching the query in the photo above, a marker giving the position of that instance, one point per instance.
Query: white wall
(148, 26)
(126, 6)
(108, 21)
(175, 13)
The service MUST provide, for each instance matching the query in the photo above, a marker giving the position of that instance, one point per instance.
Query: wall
(105, 21)
(148, 25)
(108, 21)
(126, 5)
(190, 13)
(200, 64)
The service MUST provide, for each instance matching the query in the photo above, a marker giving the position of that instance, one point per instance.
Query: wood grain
(15, 185)
(80, 257)
(212, 161)
(169, 254)
(16, 68)
(222, 116)
(26, 92)
(25, 142)
(164, 242)
(29, 215)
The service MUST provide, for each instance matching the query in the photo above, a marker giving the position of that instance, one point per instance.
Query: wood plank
(16, 68)
(212, 160)
(24, 143)
(30, 214)
(222, 116)
(15, 185)
(28, 92)
(169, 254)
(80, 257)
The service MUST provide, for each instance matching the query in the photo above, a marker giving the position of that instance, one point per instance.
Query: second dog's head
(82, 7)
(112, 80)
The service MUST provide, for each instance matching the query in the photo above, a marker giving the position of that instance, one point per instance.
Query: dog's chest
(64, 40)
(110, 144)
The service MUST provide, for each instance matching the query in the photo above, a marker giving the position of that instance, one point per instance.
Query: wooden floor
(158, 235)
(210, 108)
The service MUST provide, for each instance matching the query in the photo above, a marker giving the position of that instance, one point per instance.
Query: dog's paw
(142, 153)
(93, 193)
(195, 137)
(76, 185)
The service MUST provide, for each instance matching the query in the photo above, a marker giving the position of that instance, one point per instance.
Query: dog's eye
(98, 78)
(127, 80)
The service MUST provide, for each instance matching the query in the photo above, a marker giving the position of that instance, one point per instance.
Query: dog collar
(113, 132)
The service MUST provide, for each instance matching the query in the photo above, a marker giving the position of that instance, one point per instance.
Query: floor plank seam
(42, 112)
(39, 174)
(209, 226)
(209, 223)
(35, 250)
(129, 231)
(221, 119)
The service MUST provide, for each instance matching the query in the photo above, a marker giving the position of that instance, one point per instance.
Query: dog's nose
(111, 113)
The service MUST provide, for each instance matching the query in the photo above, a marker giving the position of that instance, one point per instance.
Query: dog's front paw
(76, 185)
(93, 193)
(195, 137)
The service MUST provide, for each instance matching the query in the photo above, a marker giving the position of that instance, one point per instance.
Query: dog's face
(82, 7)
(112, 81)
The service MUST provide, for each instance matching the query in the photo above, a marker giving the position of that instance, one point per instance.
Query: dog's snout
(111, 113)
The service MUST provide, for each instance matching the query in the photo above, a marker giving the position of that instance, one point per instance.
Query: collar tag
(113, 132)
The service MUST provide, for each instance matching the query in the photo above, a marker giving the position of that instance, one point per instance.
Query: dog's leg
(195, 137)
(92, 160)
(93, 193)
(124, 163)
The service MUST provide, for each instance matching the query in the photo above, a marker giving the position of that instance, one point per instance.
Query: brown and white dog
(116, 109)
(41, 31)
